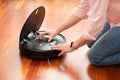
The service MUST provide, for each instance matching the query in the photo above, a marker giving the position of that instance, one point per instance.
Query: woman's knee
(94, 59)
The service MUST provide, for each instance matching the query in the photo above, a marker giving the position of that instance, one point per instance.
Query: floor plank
(73, 66)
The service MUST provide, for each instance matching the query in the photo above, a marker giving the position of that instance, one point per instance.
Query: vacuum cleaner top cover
(29, 42)
(33, 23)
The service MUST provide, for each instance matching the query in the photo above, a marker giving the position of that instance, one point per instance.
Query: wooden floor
(74, 66)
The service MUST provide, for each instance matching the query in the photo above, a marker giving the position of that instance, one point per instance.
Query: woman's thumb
(50, 38)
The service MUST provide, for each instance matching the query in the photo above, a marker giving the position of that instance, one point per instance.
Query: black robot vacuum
(30, 45)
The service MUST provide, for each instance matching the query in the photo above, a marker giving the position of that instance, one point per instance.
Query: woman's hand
(52, 34)
(64, 48)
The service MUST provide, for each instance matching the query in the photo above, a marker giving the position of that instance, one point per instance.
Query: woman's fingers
(59, 47)
(56, 47)
(51, 35)
(50, 38)
(42, 34)
(63, 47)
(61, 53)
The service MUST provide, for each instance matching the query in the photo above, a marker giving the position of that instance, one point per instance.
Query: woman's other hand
(63, 47)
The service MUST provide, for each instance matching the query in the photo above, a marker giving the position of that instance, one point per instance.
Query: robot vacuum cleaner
(30, 45)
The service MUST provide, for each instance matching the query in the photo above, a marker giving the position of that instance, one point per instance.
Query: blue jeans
(105, 50)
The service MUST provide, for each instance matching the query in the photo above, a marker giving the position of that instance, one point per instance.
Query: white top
(96, 12)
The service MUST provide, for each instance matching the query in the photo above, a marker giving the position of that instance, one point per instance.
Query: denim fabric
(106, 49)
(105, 29)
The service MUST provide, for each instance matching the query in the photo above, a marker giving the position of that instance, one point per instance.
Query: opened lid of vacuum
(33, 22)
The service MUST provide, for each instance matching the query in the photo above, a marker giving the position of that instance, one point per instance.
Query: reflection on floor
(73, 66)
